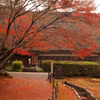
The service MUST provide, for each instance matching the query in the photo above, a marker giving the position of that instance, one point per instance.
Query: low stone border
(28, 69)
(76, 93)
(77, 89)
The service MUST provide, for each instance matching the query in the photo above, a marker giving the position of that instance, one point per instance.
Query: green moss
(95, 79)
(9, 68)
(79, 62)
(17, 70)
(39, 69)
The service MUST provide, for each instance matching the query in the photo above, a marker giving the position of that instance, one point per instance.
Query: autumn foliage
(65, 93)
(27, 27)
(92, 84)
(33, 89)
(22, 89)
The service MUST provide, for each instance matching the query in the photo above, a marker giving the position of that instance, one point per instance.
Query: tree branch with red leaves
(30, 24)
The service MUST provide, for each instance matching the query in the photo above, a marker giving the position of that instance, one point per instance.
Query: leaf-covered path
(24, 89)
(31, 86)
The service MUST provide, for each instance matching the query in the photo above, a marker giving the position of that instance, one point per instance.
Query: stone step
(28, 69)
(83, 98)
(81, 93)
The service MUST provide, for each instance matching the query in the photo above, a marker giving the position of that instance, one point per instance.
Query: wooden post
(99, 57)
(49, 98)
(50, 78)
(51, 69)
(55, 92)
(53, 83)
(48, 75)
(53, 95)
(57, 87)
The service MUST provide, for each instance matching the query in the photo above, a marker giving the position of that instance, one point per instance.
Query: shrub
(9, 68)
(96, 74)
(74, 68)
(40, 63)
(69, 69)
(46, 64)
(17, 66)
(17, 70)
(86, 69)
(4, 73)
(39, 69)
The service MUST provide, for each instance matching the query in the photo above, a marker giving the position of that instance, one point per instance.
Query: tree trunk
(8, 52)
(6, 60)
(99, 57)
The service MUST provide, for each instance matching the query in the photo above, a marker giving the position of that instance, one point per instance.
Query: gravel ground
(33, 75)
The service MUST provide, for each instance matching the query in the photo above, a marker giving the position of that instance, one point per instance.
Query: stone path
(33, 75)
(25, 86)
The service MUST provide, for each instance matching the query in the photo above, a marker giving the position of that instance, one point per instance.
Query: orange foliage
(31, 29)
(24, 89)
(91, 84)
(82, 53)
(65, 93)
(22, 51)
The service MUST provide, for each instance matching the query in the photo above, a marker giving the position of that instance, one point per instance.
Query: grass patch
(9, 68)
(78, 62)
(38, 69)
(96, 79)
(92, 84)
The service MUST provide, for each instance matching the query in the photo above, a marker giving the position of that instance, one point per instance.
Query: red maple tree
(29, 24)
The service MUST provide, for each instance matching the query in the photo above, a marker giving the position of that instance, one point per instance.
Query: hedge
(75, 68)
(45, 64)
(17, 66)
(87, 69)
